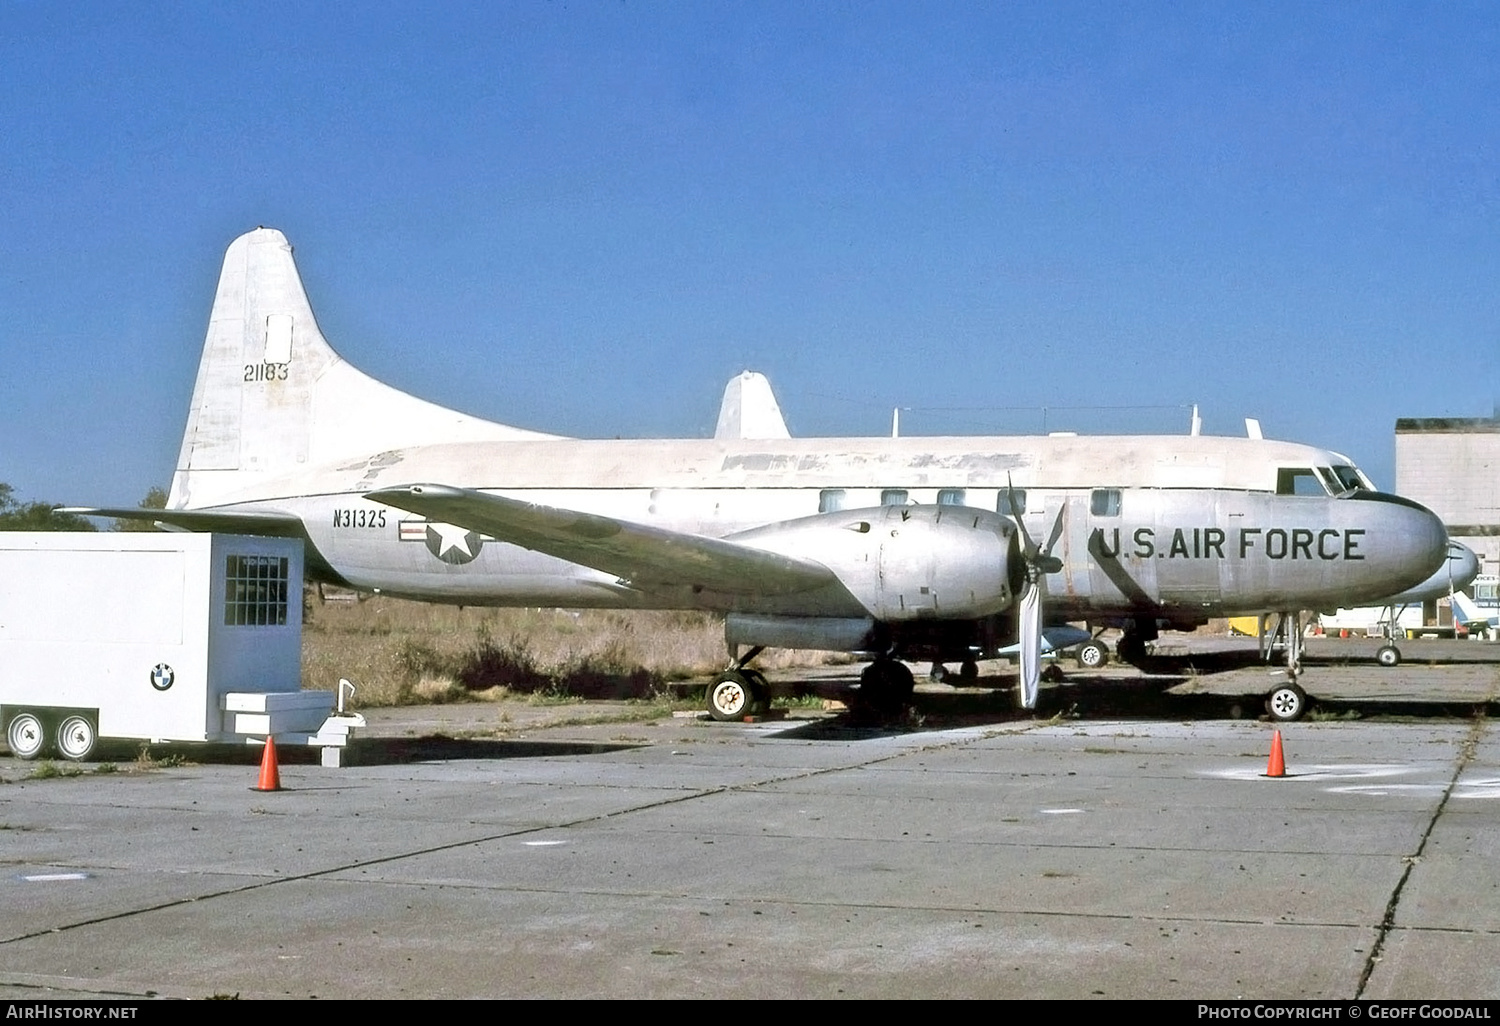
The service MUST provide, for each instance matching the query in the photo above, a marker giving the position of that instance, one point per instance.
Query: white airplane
(942, 549)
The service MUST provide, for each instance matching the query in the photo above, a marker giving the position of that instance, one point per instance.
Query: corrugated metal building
(1452, 466)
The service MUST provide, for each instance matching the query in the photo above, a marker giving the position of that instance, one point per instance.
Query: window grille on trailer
(255, 590)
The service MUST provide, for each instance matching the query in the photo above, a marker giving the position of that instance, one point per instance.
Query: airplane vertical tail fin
(749, 409)
(1466, 610)
(272, 396)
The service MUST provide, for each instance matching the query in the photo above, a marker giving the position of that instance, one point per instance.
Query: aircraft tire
(968, 673)
(1286, 702)
(885, 687)
(77, 737)
(1388, 655)
(731, 696)
(26, 735)
(1130, 648)
(1092, 655)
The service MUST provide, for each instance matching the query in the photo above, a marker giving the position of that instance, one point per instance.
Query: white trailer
(157, 637)
(1372, 620)
(1409, 621)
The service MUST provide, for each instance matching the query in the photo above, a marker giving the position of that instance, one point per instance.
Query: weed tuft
(49, 770)
(145, 761)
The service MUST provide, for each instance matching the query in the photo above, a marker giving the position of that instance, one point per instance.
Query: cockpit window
(1350, 478)
(1298, 481)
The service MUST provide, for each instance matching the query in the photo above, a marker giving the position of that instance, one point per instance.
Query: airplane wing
(1054, 639)
(639, 555)
(275, 525)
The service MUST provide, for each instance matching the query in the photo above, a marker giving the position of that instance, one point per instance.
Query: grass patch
(407, 653)
(807, 701)
(1319, 716)
(49, 770)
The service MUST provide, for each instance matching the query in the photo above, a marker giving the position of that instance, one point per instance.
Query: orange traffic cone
(1276, 767)
(270, 773)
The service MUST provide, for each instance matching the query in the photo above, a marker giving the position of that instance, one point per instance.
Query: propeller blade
(1031, 644)
(1038, 561)
(1028, 547)
(1044, 561)
(1057, 525)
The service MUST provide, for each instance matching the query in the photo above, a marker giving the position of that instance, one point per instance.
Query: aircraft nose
(1433, 536)
(1403, 544)
(1463, 564)
(1426, 536)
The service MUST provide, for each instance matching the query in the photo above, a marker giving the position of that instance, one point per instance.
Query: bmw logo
(162, 677)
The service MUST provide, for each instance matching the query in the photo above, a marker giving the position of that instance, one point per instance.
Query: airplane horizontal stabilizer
(272, 525)
(639, 555)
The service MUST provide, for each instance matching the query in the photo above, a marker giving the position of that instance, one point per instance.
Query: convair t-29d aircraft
(943, 549)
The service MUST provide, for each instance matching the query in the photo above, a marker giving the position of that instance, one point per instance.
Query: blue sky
(586, 217)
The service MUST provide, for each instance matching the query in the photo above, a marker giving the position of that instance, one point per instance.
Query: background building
(1452, 466)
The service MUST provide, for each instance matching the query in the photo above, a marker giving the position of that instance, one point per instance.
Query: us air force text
(1241, 543)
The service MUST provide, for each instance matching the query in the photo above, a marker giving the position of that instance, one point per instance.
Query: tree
(35, 516)
(156, 498)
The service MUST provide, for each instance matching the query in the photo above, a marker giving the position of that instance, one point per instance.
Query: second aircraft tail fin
(749, 409)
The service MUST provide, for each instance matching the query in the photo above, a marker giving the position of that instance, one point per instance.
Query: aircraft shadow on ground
(1085, 698)
(362, 751)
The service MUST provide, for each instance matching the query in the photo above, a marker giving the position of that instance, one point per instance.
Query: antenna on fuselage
(1252, 428)
(1196, 427)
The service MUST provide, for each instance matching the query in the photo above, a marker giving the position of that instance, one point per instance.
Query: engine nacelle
(910, 562)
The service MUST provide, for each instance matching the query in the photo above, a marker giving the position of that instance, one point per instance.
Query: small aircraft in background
(1474, 617)
(915, 548)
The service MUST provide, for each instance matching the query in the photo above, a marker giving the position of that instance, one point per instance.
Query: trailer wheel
(76, 738)
(26, 735)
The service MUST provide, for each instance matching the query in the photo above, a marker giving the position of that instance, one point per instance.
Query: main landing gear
(886, 686)
(968, 674)
(1092, 655)
(739, 691)
(1131, 647)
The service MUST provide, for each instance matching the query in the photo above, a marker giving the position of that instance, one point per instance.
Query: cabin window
(950, 497)
(1011, 502)
(893, 497)
(1298, 481)
(1105, 502)
(255, 590)
(830, 500)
